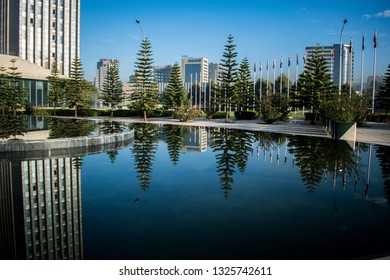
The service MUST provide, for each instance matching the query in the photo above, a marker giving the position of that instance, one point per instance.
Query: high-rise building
(214, 70)
(41, 31)
(162, 73)
(41, 209)
(332, 57)
(195, 69)
(347, 64)
(101, 71)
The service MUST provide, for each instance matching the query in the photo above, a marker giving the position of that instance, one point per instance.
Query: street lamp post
(139, 24)
(341, 54)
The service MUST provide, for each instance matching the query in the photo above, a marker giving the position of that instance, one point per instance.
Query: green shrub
(378, 117)
(246, 115)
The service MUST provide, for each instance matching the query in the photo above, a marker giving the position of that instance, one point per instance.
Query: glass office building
(41, 31)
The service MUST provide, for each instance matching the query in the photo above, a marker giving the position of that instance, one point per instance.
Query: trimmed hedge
(379, 117)
(246, 115)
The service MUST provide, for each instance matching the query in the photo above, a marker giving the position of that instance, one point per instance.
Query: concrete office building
(195, 69)
(40, 206)
(214, 70)
(102, 68)
(332, 57)
(161, 75)
(41, 31)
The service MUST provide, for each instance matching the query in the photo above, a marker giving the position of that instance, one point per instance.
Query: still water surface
(182, 192)
(228, 194)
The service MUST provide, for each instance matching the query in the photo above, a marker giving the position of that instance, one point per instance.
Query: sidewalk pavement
(372, 133)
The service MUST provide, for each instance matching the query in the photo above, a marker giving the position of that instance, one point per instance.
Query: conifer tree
(56, 90)
(315, 82)
(77, 89)
(244, 86)
(384, 92)
(112, 93)
(175, 95)
(145, 96)
(15, 93)
(228, 77)
(3, 88)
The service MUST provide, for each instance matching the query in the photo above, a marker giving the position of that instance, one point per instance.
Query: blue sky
(262, 30)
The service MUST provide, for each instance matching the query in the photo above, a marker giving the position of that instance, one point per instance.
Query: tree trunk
(75, 111)
(112, 112)
(145, 116)
(227, 117)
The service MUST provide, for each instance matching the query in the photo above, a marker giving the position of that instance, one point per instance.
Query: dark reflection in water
(63, 128)
(201, 193)
(11, 126)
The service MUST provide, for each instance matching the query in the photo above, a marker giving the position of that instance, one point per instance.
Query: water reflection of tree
(232, 147)
(143, 150)
(61, 128)
(244, 140)
(110, 127)
(316, 156)
(383, 154)
(175, 139)
(11, 125)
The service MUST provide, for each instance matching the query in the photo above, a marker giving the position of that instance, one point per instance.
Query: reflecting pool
(179, 192)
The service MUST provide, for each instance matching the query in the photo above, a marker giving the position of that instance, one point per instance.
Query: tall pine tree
(175, 95)
(244, 86)
(3, 88)
(112, 93)
(55, 94)
(77, 89)
(384, 92)
(315, 82)
(228, 78)
(145, 96)
(16, 94)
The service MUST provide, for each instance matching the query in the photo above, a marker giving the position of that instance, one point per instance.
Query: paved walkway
(374, 133)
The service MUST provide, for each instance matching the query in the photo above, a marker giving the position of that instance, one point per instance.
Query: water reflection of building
(40, 209)
(196, 140)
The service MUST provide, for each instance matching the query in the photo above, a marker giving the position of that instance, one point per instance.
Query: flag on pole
(254, 67)
(289, 62)
(332, 53)
(261, 67)
(267, 65)
(322, 55)
(374, 39)
(273, 66)
(281, 62)
(350, 45)
(362, 42)
(304, 58)
(297, 60)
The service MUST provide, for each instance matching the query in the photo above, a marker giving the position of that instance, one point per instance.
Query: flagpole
(296, 80)
(350, 68)
(288, 78)
(191, 89)
(261, 82)
(373, 85)
(341, 55)
(281, 75)
(267, 76)
(273, 89)
(254, 86)
(361, 72)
